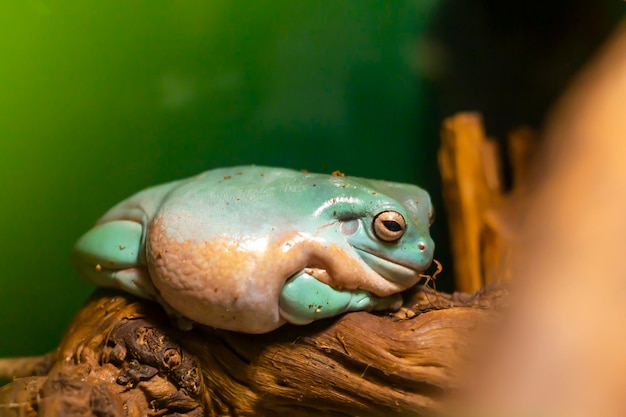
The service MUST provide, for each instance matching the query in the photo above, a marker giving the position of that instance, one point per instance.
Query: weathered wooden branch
(481, 213)
(122, 357)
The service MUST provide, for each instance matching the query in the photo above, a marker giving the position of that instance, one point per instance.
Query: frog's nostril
(421, 246)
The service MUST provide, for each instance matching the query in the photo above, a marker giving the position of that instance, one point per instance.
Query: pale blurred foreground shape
(562, 351)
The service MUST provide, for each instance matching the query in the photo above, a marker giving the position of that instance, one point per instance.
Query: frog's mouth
(391, 271)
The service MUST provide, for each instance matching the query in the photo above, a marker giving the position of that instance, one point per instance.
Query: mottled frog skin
(250, 248)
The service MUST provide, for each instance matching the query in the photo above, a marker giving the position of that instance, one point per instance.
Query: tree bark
(121, 356)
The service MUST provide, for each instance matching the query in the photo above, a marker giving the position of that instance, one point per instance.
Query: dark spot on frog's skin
(122, 247)
(226, 177)
(314, 185)
(343, 185)
(215, 289)
(237, 199)
(417, 201)
(239, 173)
(262, 174)
(318, 309)
(334, 212)
(421, 246)
(304, 171)
(373, 192)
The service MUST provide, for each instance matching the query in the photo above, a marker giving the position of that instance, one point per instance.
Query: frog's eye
(389, 226)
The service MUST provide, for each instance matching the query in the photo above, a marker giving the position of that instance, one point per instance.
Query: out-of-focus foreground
(561, 351)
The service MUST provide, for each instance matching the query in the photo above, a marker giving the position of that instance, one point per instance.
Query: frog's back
(242, 201)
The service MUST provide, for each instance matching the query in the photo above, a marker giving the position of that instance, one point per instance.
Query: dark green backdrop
(100, 99)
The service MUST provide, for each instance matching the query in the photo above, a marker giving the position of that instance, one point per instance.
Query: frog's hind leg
(112, 254)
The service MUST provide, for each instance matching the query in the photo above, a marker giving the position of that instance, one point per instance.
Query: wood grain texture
(122, 357)
(482, 214)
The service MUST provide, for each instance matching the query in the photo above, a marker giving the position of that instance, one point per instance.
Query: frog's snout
(426, 248)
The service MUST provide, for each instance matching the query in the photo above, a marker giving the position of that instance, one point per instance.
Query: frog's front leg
(304, 299)
(112, 255)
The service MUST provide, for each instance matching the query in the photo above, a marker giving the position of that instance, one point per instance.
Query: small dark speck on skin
(417, 201)
(215, 289)
(314, 185)
(239, 173)
(334, 212)
(122, 247)
(373, 192)
(262, 174)
(343, 185)
(226, 177)
(237, 199)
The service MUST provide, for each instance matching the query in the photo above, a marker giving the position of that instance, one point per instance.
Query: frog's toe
(391, 302)
(362, 300)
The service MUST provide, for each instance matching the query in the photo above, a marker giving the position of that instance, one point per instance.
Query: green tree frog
(250, 248)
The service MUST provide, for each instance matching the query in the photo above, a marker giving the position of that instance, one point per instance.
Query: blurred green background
(101, 99)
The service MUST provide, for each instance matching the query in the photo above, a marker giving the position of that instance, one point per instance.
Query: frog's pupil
(392, 226)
